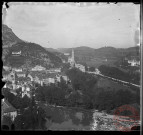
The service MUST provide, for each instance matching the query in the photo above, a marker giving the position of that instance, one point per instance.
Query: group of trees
(111, 99)
(31, 116)
(50, 94)
(81, 81)
(118, 74)
(31, 119)
(92, 96)
(16, 100)
(83, 93)
(100, 98)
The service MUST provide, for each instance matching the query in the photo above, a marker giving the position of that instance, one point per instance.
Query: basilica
(73, 64)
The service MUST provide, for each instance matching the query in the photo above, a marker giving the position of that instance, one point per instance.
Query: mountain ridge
(31, 54)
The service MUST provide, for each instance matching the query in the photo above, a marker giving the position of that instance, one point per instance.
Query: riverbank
(104, 121)
(99, 113)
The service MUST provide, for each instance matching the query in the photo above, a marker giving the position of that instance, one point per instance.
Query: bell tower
(72, 59)
(13, 79)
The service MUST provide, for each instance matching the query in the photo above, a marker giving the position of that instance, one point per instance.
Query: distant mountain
(106, 52)
(51, 49)
(81, 48)
(86, 54)
(8, 37)
(80, 52)
(64, 50)
(57, 53)
(31, 54)
(133, 51)
(103, 51)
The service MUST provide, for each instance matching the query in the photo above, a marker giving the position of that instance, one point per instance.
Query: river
(63, 118)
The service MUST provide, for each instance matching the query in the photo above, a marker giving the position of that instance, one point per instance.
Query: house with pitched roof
(38, 68)
(80, 67)
(26, 91)
(6, 75)
(48, 78)
(21, 74)
(6, 68)
(64, 76)
(8, 109)
(55, 70)
(17, 69)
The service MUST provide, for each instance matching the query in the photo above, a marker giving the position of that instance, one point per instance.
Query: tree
(92, 69)
(25, 101)
(63, 84)
(6, 120)
(19, 92)
(41, 118)
(18, 122)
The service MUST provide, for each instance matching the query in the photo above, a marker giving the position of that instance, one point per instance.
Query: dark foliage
(118, 74)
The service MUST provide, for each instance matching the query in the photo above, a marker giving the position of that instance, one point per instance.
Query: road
(117, 80)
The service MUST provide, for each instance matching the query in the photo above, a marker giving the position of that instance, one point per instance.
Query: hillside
(97, 57)
(51, 49)
(57, 53)
(8, 37)
(31, 54)
(82, 49)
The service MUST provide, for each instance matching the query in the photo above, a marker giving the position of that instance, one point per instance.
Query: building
(72, 62)
(16, 53)
(63, 61)
(6, 68)
(66, 54)
(71, 59)
(21, 74)
(58, 78)
(8, 109)
(25, 91)
(51, 80)
(63, 75)
(65, 78)
(80, 67)
(134, 62)
(6, 75)
(17, 69)
(51, 77)
(45, 78)
(38, 68)
(52, 70)
(30, 76)
(97, 71)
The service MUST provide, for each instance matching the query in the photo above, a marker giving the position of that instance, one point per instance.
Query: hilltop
(97, 57)
(31, 54)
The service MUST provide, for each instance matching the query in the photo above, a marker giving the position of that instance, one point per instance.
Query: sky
(67, 25)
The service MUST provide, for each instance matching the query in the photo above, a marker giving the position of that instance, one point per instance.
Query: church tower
(73, 55)
(72, 59)
(13, 79)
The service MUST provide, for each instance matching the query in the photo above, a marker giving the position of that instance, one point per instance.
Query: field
(98, 62)
(111, 85)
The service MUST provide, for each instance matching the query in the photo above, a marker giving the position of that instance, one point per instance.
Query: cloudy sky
(71, 25)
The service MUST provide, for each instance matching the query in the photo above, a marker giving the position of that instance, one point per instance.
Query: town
(18, 79)
(71, 66)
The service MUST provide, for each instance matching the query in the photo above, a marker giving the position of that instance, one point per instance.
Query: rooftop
(5, 72)
(23, 79)
(7, 107)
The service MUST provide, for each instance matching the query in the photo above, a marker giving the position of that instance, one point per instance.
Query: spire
(72, 59)
(73, 55)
